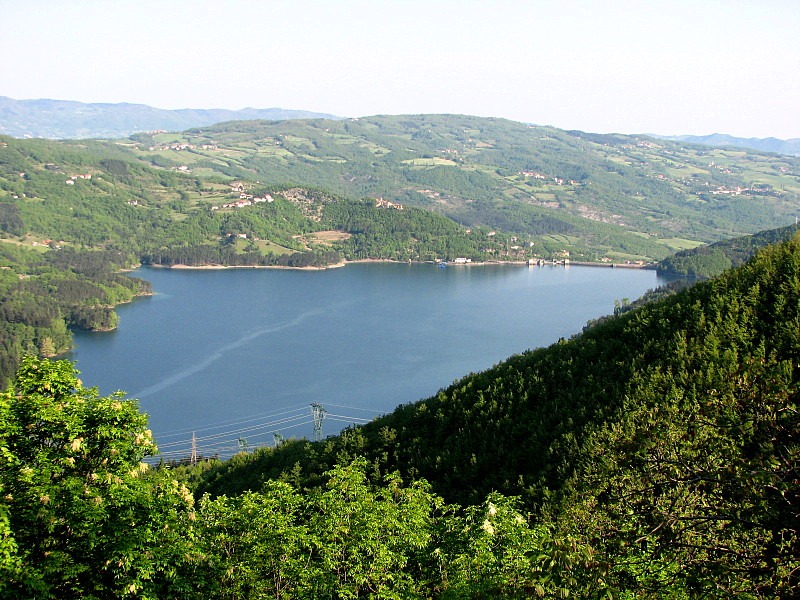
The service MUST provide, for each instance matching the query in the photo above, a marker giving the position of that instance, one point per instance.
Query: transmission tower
(319, 415)
(278, 439)
(193, 458)
(243, 444)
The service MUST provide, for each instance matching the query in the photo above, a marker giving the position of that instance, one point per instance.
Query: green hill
(45, 294)
(668, 434)
(708, 261)
(103, 195)
(598, 197)
(497, 172)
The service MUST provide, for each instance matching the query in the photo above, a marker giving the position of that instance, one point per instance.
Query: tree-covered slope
(596, 196)
(669, 435)
(708, 261)
(82, 518)
(101, 195)
(45, 294)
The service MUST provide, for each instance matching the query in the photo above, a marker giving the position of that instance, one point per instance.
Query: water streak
(183, 374)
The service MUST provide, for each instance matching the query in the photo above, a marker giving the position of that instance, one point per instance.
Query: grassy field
(429, 162)
(678, 244)
(327, 238)
(265, 246)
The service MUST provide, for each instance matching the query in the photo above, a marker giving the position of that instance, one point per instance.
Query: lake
(236, 356)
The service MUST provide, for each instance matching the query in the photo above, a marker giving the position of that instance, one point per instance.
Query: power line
(354, 407)
(233, 432)
(247, 434)
(209, 444)
(230, 423)
(346, 419)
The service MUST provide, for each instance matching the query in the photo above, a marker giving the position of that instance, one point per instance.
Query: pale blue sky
(666, 67)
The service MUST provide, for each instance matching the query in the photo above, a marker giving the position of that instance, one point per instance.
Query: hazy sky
(630, 66)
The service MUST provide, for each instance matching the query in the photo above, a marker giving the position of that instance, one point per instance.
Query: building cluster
(723, 168)
(245, 199)
(543, 177)
(737, 191)
(381, 203)
(178, 146)
(73, 178)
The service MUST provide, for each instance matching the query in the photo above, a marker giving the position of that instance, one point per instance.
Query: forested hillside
(707, 261)
(656, 454)
(100, 195)
(519, 403)
(45, 294)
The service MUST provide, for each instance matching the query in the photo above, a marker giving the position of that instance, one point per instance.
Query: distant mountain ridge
(770, 144)
(63, 119)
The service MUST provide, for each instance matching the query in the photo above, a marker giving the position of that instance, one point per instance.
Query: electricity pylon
(319, 415)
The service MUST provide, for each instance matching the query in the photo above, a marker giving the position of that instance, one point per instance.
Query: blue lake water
(234, 356)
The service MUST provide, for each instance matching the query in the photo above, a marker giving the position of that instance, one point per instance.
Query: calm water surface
(239, 354)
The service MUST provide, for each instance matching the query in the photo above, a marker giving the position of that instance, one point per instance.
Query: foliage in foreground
(79, 518)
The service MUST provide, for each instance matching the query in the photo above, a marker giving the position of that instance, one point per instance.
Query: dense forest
(655, 454)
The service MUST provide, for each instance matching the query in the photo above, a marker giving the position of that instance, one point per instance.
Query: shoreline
(221, 267)
(339, 265)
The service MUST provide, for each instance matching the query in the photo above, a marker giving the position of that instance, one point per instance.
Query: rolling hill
(534, 180)
(708, 261)
(597, 197)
